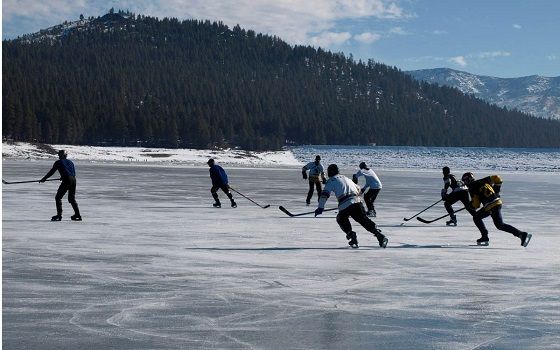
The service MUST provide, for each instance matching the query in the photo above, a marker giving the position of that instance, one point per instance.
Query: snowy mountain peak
(535, 94)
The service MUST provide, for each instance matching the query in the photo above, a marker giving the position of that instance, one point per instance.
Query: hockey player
(459, 192)
(371, 188)
(486, 191)
(350, 204)
(316, 177)
(67, 172)
(219, 181)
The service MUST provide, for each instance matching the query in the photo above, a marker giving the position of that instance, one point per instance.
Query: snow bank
(23, 150)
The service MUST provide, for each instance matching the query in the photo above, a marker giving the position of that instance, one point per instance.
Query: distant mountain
(126, 79)
(536, 95)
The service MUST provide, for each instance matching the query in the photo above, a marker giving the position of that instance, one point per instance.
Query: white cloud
(398, 31)
(326, 39)
(40, 9)
(367, 37)
(295, 21)
(439, 32)
(551, 57)
(459, 60)
(492, 54)
(517, 26)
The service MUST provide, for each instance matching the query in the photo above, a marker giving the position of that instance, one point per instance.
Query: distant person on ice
(219, 181)
(371, 189)
(459, 192)
(316, 177)
(486, 191)
(350, 204)
(68, 176)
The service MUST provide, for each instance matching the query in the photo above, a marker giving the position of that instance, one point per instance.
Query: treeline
(128, 80)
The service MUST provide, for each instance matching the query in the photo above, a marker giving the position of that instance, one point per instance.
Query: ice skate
(76, 217)
(233, 204)
(56, 218)
(484, 241)
(353, 239)
(525, 238)
(371, 213)
(217, 205)
(452, 221)
(382, 240)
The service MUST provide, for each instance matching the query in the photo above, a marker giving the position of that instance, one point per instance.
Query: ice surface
(153, 266)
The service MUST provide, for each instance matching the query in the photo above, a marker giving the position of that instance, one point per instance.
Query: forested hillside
(123, 79)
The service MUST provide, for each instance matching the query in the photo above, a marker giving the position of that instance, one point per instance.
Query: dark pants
(356, 212)
(225, 188)
(67, 185)
(314, 182)
(370, 197)
(454, 197)
(496, 214)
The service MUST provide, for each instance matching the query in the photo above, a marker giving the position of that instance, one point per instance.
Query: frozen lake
(154, 266)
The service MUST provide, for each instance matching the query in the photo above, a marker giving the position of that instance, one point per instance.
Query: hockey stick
(436, 219)
(412, 217)
(301, 214)
(249, 199)
(24, 182)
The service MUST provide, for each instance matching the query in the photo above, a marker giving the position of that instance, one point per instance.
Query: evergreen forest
(126, 79)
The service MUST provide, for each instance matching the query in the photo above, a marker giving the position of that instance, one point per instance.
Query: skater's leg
(214, 191)
(478, 221)
(319, 188)
(225, 189)
(499, 222)
(309, 192)
(368, 198)
(357, 213)
(72, 198)
(62, 189)
(344, 222)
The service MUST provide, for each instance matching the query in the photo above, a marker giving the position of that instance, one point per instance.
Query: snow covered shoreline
(22, 150)
(484, 159)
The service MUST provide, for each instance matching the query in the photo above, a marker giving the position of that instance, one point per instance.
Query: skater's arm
(50, 173)
(496, 183)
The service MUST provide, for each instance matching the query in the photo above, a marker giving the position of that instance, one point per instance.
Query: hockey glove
(42, 180)
(443, 193)
(304, 174)
(354, 179)
(318, 211)
(324, 181)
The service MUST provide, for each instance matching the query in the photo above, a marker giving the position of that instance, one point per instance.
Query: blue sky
(503, 38)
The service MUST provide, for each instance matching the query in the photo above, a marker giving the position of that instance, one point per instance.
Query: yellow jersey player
(486, 192)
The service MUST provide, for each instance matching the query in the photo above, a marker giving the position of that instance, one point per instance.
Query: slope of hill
(536, 95)
(123, 79)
